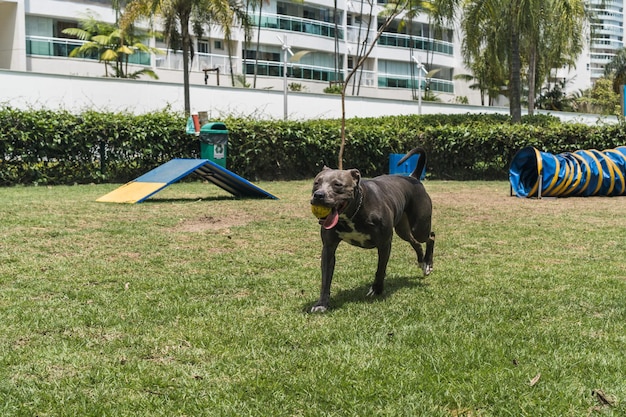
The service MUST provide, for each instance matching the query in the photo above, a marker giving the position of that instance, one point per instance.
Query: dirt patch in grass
(213, 223)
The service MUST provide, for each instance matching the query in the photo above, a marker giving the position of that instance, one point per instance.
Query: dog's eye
(338, 184)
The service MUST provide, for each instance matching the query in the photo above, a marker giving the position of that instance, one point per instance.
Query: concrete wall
(75, 93)
(12, 47)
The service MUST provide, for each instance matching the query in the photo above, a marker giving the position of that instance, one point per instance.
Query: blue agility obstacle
(164, 175)
(534, 173)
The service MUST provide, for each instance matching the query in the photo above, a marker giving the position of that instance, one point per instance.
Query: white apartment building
(31, 39)
(607, 29)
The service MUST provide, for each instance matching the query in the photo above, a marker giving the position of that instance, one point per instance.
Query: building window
(60, 26)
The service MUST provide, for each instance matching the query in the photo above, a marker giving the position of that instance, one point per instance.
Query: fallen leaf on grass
(603, 398)
(535, 380)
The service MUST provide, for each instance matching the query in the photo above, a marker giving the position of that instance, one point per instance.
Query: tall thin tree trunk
(337, 78)
(532, 76)
(184, 23)
(515, 105)
(430, 51)
(358, 49)
(342, 146)
(229, 48)
(411, 63)
(363, 47)
(246, 45)
(258, 43)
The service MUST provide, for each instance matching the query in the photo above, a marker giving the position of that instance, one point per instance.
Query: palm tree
(515, 64)
(525, 30)
(111, 45)
(486, 79)
(178, 18)
(554, 40)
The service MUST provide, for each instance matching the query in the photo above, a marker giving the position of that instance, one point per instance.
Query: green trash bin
(214, 143)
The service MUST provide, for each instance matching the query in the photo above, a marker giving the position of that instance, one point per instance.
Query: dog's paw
(372, 292)
(319, 309)
(426, 268)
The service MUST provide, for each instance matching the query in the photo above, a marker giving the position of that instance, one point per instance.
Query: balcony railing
(367, 78)
(416, 42)
(405, 81)
(173, 60)
(62, 47)
(299, 71)
(296, 24)
(355, 34)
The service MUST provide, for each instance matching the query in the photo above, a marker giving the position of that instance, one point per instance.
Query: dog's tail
(421, 162)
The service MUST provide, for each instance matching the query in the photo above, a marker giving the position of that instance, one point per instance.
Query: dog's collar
(360, 203)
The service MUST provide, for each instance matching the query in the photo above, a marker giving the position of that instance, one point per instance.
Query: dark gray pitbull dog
(365, 213)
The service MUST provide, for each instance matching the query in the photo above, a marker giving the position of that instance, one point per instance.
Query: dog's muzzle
(330, 221)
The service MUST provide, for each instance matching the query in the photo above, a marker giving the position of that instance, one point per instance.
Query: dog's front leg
(328, 268)
(384, 251)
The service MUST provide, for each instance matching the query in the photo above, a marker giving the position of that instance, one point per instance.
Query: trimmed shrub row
(57, 147)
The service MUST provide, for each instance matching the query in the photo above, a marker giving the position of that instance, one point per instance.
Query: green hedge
(57, 147)
(459, 147)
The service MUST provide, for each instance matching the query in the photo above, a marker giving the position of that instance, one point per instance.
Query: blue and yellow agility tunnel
(582, 173)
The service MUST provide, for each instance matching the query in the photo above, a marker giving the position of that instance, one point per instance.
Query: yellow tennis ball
(320, 211)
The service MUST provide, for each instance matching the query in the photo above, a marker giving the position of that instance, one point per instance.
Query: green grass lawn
(195, 304)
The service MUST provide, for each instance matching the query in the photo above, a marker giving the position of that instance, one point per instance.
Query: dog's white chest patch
(353, 236)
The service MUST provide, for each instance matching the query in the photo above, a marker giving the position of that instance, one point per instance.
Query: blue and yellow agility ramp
(582, 173)
(154, 181)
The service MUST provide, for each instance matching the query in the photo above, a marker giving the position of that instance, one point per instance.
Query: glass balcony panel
(400, 81)
(61, 47)
(296, 24)
(405, 41)
(48, 46)
(295, 71)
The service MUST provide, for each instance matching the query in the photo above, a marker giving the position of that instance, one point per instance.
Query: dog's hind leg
(403, 230)
(427, 266)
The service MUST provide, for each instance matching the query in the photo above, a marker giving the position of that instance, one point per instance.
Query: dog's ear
(356, 176)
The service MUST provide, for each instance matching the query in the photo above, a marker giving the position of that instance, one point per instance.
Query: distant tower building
(607, 34)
